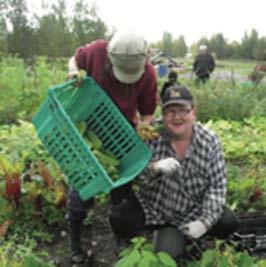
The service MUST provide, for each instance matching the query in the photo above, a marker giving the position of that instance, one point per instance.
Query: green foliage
(230, 107)
(226, 257)
(227, 100)
(260, 52)
(26, 151)
(249, 44)
(246, 191)
(141, 254)
(244, 147)
(173, 47)
(23, 87)
(10, 87)
(54, 33)
(42, 193)
(167, 43)
(13, 254)
(250, 47)
(20, 39)
(242, 140)
(179, 47)
(87, 26)
(218, 44)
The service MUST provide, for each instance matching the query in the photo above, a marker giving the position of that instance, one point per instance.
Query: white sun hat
(127, 53)
(203, 48)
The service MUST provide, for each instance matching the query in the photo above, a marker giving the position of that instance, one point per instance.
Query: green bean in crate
(66, 106)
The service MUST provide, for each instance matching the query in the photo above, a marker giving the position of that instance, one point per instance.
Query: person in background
(203, 65)
(121, 67)
(258, 73)
(172, 80)
(182, 191)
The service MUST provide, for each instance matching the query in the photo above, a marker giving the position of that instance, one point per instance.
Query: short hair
(172, 75)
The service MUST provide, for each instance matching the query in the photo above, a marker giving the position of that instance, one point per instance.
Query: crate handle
(52, 91)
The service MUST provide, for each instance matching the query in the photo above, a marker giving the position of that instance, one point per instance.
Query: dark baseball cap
(177, 94)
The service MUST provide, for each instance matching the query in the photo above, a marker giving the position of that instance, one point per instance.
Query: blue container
(162, 70)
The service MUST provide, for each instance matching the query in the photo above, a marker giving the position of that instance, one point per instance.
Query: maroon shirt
(129, 98)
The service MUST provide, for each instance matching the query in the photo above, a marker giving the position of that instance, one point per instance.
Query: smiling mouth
(177, 123)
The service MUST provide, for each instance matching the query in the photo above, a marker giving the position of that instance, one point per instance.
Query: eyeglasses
(171, 113)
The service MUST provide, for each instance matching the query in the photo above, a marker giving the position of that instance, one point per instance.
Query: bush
(224, 100)
(23, 87)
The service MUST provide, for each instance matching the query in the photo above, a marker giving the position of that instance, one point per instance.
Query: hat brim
(177, 102)
(125, 77)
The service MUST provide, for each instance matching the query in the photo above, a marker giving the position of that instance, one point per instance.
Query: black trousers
(77, 208)
(202, 78)
(128, 220)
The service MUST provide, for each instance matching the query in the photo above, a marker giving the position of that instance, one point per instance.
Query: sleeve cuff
(206, 223)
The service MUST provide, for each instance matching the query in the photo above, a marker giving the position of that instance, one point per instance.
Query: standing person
(182, 192)
(121, 67)
(203, 65)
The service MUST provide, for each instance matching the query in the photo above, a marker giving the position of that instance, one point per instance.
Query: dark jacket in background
(203, 65)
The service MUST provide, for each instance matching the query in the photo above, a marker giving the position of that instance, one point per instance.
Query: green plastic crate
(55, 122)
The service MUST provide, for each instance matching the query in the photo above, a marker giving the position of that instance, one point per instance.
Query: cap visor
(177, 102)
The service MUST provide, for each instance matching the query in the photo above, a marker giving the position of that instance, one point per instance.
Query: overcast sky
(191, 18)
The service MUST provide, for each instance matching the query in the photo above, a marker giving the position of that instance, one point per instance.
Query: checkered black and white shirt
(196, 192)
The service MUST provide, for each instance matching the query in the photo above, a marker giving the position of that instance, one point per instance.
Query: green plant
(244, 147)
(19, 142)
(33, 261)
(13, 254)
(24, 87)
(243, 141)
(246, 187)
(226, 257)
(11, 172)
(141, 254)
(226, 100)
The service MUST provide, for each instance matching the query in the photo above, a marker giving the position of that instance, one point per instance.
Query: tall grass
(23, 87)
(227, 99)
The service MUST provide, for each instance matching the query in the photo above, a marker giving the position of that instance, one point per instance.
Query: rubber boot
(121, 243)
(76, 254)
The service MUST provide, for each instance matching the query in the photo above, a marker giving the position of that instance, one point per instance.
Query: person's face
(179, 119)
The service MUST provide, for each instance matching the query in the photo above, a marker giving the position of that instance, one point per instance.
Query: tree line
(250, 47)
(58, 32)
(55, 33)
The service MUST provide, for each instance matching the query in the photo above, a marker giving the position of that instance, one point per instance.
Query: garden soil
(97, 238)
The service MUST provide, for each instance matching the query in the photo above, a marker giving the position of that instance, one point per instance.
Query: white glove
(194, 229)
(167, 166)
(73, 74)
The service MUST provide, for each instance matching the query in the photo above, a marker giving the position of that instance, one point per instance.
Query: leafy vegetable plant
(141, 254)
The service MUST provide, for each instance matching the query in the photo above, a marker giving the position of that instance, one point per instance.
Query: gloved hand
(167, 166)
(73, 74)
(194, 229)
